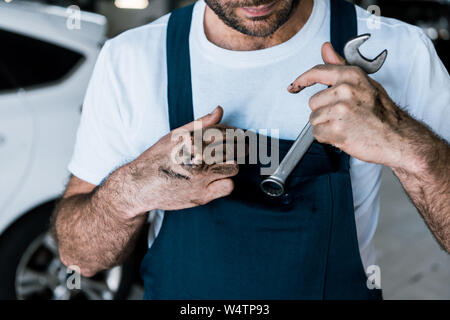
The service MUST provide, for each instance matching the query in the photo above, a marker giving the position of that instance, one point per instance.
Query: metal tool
(274, 184)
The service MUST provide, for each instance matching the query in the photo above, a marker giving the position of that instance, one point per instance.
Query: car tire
(16, 243)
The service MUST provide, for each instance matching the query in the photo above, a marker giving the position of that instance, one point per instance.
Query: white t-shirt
(125, 109)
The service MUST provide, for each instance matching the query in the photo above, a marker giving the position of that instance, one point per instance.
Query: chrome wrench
(274, 185)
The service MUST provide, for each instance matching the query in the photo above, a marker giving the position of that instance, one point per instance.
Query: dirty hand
(355, 114)
(169, 176)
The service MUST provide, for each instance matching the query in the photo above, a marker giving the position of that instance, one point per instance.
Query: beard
(263, 26)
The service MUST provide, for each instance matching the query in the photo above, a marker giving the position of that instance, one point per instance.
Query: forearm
(426, 179)
(96, 231)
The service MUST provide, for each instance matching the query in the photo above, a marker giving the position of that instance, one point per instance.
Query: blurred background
(47, 53)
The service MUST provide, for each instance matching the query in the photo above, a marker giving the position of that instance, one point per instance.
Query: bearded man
(270, 65)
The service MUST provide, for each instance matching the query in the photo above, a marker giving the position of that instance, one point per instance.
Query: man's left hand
(355, 114)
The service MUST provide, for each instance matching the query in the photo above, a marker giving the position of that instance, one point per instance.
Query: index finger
(208, 120)
(327, 74)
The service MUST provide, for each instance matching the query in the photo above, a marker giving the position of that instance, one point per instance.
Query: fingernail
(214, 111)
(293, 89)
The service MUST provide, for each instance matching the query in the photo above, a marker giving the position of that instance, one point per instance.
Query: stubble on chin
(262, 27)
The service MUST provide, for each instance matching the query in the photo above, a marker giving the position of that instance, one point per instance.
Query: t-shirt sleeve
(101, 144)
(427, 91)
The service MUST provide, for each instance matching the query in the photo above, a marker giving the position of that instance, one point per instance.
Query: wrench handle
(274, 184)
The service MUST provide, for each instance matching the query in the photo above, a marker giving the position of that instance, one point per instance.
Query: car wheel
(31, 269)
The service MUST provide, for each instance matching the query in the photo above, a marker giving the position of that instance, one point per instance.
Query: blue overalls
(249, 245)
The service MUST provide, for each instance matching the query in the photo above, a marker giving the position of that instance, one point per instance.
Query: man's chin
(257, 28)
(253, 23)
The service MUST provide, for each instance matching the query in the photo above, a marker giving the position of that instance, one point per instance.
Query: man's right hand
(97, 227)
(157, 181)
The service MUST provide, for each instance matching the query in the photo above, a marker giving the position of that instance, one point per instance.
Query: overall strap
(343, 27)
(343, 24)
(179, 82)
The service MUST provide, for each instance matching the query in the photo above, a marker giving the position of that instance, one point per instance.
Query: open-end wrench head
(355, 58)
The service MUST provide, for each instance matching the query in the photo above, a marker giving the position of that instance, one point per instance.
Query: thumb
(210, 119)
(330, 56)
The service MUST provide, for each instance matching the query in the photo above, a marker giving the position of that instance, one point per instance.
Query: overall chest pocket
(319, 162)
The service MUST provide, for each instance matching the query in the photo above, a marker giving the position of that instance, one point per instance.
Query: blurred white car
(47, 54)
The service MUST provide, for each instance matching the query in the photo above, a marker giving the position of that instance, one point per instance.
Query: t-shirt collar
(255, 58)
